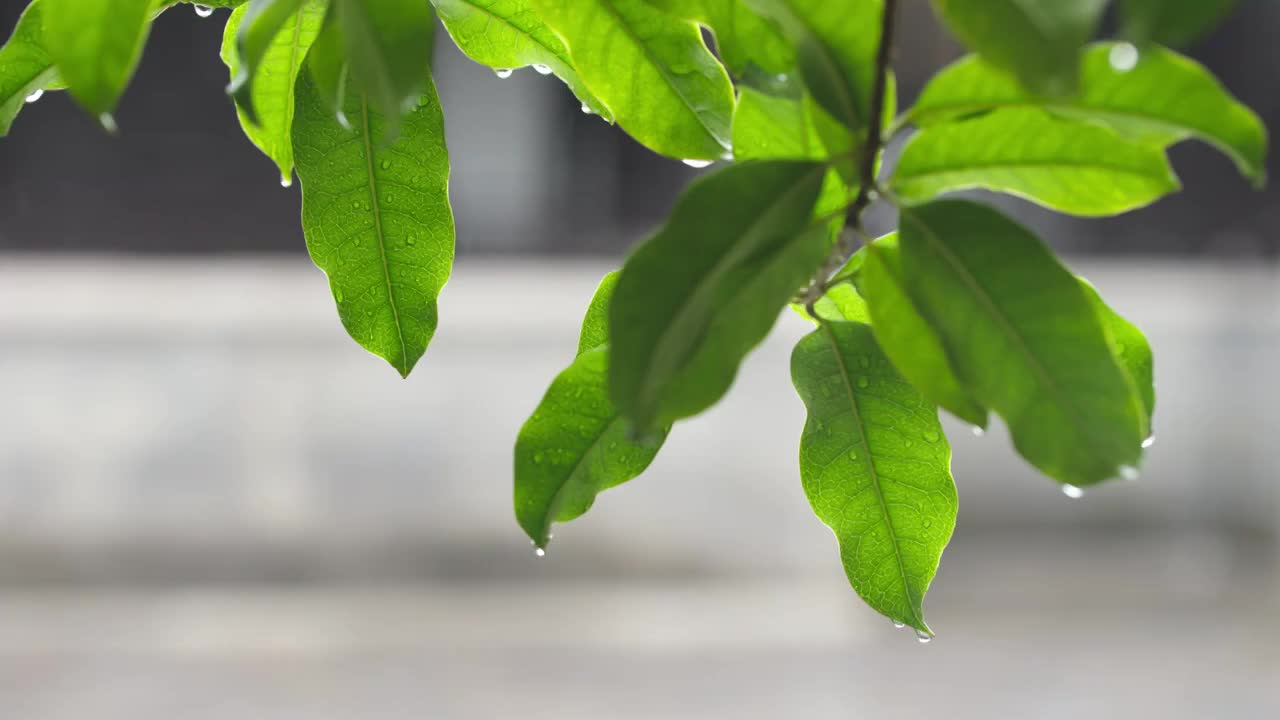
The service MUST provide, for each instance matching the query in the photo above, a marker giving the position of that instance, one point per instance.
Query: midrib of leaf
(557, 499)
(992, 310)
(713, 276)
(662, 70)
(377, 226)
(1084, 164)
(1119, 113)
(507, 21)
(875, 475)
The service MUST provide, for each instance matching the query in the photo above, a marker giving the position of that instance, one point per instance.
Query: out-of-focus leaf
(876, 467)
(1162, 98)
(651, 70)
(906, 337)
(327, 65)
(388, 49)
(377, 218)
(1131, 349)
(1024, 338)
(250, 32)
(743, 38)
(1037, 41)
(1172, 22)
(576, 445)
(278, 61)
(1068, 166)
(25, 67)
(507, 34)
(695, 298)
(96, 44)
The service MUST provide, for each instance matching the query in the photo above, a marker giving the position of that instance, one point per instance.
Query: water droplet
(696, 163)
(542, 69)
(932, 436)
(108, 123)
(978, 430)
(1072, 492)
(411, 239)
(286, 180)
(1151, 440)
(899, 625)
(35, 95)
(337, 294)
(586, 109)
(908, 442)
(386, 164)
(1123, 57)
(923, 637)
(355, 204)
(853, 454)
(537, 457)
(863, 381)
(389, 199)
(203, 11)
(503, 73)
(539, 552)
(1128, 472)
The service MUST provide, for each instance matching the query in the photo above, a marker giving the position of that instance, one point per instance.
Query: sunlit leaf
(1162, 98)
(743, 39)
(576, 445)
(278, 60)
(25, 67)
(1068, 166)
(1037, 41)
(695, 298)
(651, 70)
(507, 34)
(95, 45)
(377, 218)
(1131, 349)
(876, 468)
(1024, 338)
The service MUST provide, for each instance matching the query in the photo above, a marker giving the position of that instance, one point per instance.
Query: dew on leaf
(35, 95)
(923, 637)
(899, 625)
(1072, 491)
(203, 11)
(1151, 440)
(978, 431)
(696, 163)
(503, 73)
(286, 180)
(337, 294)
(586, 109)
(1123, 57)
(932, 436)
(853, 454)
(539, 552)
(108, 123)
(386, 164)
(863, 381)
(542, 69)
(1128, 472)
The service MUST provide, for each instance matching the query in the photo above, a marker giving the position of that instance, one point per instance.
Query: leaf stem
(847, 243)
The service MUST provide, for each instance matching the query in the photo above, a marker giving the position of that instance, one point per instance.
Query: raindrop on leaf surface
(1123, 57)
(35, 95)
(923, 637)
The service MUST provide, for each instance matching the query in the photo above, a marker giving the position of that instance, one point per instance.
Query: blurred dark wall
(181, 178)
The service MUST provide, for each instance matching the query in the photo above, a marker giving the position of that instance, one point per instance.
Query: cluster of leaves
(963, 309)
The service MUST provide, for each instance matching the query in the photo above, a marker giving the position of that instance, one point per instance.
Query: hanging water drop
(1072, 492)
(542, 69)
(696, 163)
(539, 552)
(35, 95)
(286, 180)
(923, 637)
(586, 109)
(108, 123)
(1151, 440)
(978, 430)
(203, 11)
(899, 625)
(1123, 57)
(503, 73)
(1128, 472)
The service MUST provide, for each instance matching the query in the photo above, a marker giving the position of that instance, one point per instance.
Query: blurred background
(215, 505)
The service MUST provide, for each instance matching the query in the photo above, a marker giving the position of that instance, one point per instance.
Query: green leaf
(836, 43)
(95, 45)
(694, 299)
(327, 65)
(1163, 98)
(839, 302)
(250, 32)
(1172, 22)
(1130, 348)
(506, 34)
(907, 338)
(1067, 166)
(1024, 338)
(876, 468)
(743, 39)
(278, 59)
(652, 71)
(576, 445)
(1038, 41)
(388, 51)
(377, 218)
(25, 67)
